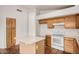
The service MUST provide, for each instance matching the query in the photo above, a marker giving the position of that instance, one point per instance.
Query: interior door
(10, 32)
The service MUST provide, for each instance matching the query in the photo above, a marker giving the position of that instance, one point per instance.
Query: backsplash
(69, 32)
(74, 32)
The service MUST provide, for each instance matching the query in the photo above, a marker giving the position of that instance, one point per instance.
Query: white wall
(32, 22)
(21, 22)
(25, 22)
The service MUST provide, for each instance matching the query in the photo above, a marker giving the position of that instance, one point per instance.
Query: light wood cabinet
(48, 40)
(72, 22)
(50, 21)
(70, 45)
(40, 47)
(42, 22)
(48, 44)
(47, 50)
(10, 32)
(77, 21)
(50, 25)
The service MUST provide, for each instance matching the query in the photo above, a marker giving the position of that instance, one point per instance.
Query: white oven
(57, 41)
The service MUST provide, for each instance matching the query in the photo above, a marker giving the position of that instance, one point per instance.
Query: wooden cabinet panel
(40, 47)
(48, 44)
(59, 20)
(70, 45)
(70, 22)
(48, 40)
(50, 25)
(50, 22)
(42, 22)
(77, 22)
(69, 49)
(68, 42)
(10, 32)
(47, 50)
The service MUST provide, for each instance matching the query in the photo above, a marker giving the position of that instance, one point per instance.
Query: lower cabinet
(70, 45)
(40, 47)
(47, 50)
(48, 44)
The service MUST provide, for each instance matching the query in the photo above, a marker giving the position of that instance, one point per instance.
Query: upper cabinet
(50, 25)
(51, 21)
(42, 22)
(72, 22)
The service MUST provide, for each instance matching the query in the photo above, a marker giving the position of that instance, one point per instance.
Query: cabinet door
(48, 40)
(13, 31)
(47, 50)
(50, 26)
(70, 22)
(71, 45)
(68, 47)
(40, 47)
(10, 32)
(77, 22)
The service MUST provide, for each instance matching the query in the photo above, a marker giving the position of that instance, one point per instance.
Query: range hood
(58, 25)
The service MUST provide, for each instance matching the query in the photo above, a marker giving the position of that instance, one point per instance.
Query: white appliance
(57, 41)
(58, 36)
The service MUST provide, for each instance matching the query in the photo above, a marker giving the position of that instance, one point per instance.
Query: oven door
(57, 42)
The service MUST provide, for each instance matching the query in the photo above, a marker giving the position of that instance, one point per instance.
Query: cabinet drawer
(69, 49)
(69, 42)
(70, 46)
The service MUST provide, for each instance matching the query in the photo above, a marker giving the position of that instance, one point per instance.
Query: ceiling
(41, 9)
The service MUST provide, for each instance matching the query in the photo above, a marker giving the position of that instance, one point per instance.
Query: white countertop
(30, 39)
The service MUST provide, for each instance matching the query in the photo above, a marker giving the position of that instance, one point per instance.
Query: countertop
(30, 39)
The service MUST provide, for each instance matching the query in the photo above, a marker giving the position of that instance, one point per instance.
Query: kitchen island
(32, 45)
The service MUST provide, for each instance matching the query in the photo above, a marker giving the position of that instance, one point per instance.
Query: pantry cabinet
(72, 22)
(10, 32)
